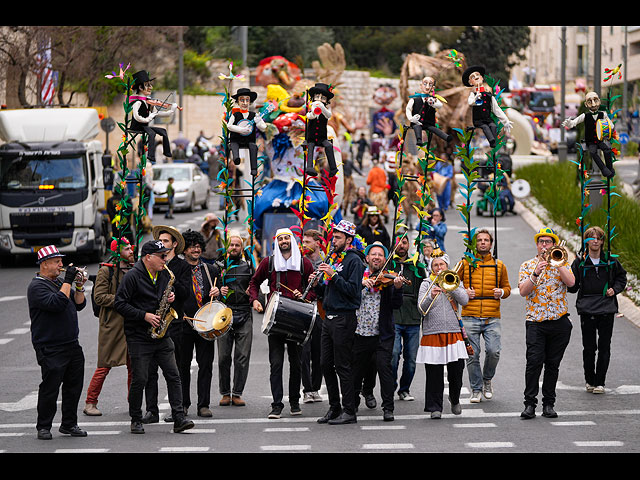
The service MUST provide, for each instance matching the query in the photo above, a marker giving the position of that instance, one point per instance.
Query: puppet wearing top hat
(318, 116)
(143, 114)
(421, 111)
(242, 125)
(483, 104)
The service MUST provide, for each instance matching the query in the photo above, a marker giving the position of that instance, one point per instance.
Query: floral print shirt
(548, 300)
(369, 312)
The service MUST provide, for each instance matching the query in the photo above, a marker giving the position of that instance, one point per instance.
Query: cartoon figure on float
(242, 125)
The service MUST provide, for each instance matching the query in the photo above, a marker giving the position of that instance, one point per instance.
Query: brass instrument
(555, 256)
(164, 311)
(82, 275)
(447, 280)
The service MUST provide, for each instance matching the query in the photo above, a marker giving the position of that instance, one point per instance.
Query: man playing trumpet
(543, 283)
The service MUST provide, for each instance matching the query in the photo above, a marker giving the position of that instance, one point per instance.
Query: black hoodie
(343, 292)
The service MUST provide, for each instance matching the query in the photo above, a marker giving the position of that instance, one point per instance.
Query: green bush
(556, 187)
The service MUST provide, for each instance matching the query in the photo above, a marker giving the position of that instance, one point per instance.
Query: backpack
(96, 308)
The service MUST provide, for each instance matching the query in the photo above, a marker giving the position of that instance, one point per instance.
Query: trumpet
(82, 275)
(555, 256)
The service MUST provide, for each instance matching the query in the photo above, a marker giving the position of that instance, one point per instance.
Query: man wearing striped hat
(53, 309)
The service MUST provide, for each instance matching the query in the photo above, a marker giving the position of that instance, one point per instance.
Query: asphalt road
(587, 423)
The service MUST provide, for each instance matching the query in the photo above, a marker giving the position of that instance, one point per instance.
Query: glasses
(545, 242)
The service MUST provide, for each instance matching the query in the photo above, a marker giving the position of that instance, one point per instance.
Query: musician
(235, 346)
(548, 328)
(372, 229)
(483, 103)
(590, 120)
(421, 111)
(287, 272)
(144, 289)
(340, 284)
(242, 125)
(596, 306)
(205, 279)
(172, 239)
(487, 284)
(53, 309)
(407, 320)
(442, 342)
(143, 113)
(374, 335)
(313, 242)
(112, 344)
(318, 115)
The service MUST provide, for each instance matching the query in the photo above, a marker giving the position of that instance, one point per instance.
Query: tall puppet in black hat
(421, 110)
(318, 115)
(242, 127)
(143, 112)
(483, 104)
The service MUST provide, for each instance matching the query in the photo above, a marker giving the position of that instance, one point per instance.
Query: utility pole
(562, 146)
(180, 74)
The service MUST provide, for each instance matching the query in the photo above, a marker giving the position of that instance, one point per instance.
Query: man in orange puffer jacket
(487, 284)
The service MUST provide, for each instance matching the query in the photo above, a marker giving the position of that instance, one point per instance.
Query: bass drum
(292, 318)
(212, 320)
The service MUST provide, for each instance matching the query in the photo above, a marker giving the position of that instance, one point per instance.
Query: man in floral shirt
(548, 328)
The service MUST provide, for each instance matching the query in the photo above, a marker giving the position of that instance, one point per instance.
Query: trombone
(555, 256)
(447, 280)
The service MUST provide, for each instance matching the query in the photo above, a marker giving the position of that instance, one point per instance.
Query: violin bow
(391, 255)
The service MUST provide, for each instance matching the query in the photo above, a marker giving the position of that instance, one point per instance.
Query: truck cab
(51, 183)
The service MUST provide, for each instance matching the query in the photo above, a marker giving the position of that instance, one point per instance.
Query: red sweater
(291, 279)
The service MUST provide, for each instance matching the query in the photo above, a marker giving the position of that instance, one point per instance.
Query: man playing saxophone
(144, 299)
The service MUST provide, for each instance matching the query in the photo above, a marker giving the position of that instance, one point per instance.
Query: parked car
(191, 186)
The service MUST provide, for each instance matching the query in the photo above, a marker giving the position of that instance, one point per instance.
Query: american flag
(47, 78)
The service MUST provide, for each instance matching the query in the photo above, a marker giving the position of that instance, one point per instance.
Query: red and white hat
(48, 252)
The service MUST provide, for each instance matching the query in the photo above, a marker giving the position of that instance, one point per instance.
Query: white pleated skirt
(441, 348)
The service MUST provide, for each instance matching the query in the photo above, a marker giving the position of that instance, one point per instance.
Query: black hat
(139, 78)
(467, 73)
(321, 88)
(245, 91)
(153, 246)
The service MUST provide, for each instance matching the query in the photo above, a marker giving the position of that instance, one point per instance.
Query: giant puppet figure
(242, 127)
(318, 116)
(421, 111)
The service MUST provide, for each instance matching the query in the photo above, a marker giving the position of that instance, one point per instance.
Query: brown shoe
(205, 412)
(238, 401)
(225, 400)
(91, 410)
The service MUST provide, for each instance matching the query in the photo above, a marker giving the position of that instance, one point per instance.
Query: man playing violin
(144, 113)
(375, 333)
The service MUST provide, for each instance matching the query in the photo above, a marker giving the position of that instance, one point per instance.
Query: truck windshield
(42, 173)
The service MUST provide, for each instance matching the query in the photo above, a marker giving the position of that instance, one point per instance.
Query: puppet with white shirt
(421, 111)
(242, 124)
(318, 115)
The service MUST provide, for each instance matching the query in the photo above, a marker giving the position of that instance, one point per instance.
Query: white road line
(4, 341)
(490, 444)
(18, 331)
(8, 299)
(383, 427)
(284, 448)
(573, 424)
(203, 430)
(286, 429)
(184, 449)
(474, 425)
(599, 443)
(81, 450)
(387, 446)
(105, 432)
(13, 434)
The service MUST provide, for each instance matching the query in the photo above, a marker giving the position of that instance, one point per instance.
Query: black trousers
(418, 129)
(151, 389)
(205, 352)
(253, 154)
(607, 167)
(338, 334)
(596, 342)
(546, 343)
(434, 390)
(364, 348)
(328, 151)
(490, 131)
(151, 142)
(277, 344)
(61, 366)
(162, 354)
(311, 366)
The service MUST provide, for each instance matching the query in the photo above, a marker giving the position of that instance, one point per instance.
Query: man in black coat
(53, 309)
(139, 299)
(598, 282)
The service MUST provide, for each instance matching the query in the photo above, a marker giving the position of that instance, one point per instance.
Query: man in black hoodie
(138, 300)
(340, 283)
(598, 282)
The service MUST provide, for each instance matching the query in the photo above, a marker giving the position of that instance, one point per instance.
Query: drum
(292, 318)
(212, 320)
(604, 129)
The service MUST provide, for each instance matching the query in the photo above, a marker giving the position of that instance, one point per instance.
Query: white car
(191, 186)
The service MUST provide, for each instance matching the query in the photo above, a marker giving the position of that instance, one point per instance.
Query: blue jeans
(490, 329)
(409, 335)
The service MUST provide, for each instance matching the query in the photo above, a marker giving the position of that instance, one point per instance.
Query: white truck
(51, 183)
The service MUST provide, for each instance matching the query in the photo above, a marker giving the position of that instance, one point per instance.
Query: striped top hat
(45, 253)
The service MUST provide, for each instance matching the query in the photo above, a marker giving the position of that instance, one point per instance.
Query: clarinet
(310, 284)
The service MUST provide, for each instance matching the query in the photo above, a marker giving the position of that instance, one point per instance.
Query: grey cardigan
(441, 317)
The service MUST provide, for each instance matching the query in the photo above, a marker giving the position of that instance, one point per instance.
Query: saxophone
(165, 311)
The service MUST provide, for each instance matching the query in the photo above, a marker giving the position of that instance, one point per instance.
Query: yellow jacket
(483, 280)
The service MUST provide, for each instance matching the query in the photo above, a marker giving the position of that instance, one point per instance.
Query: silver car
(191, 186)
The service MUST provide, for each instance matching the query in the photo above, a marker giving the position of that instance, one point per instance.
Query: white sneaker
(476, 397)
(316, 397)
(406, 396)
(589, 388)
(487, 390)
(307, 397)
(598, 389)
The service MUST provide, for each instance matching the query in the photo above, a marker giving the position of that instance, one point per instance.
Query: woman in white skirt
(442, 342)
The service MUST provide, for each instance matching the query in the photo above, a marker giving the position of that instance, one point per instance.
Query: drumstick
(282, 285)
(214, 286)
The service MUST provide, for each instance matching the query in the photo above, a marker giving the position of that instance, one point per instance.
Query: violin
(386, 278)
(159, 103)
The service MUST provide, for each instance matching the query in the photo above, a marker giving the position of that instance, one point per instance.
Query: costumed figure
(598, 129)
(318, 116)
(421, 111)
(143, 112)
(483, 103)
(242, 125)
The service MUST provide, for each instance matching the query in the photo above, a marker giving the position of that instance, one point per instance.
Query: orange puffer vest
(483, 280)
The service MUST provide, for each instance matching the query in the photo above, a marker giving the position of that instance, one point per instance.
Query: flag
(47, 78)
